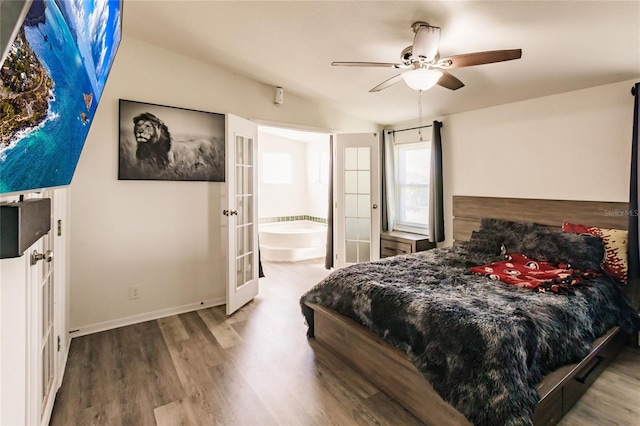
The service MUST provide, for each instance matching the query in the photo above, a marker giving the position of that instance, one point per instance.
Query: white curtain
(388, 181)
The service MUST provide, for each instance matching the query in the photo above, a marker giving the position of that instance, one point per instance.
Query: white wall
(317, 192)
(304, 195)
(161, 236)
(573, 146)
(283, 199)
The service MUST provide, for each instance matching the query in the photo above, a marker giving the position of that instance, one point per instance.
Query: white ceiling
(567, 45)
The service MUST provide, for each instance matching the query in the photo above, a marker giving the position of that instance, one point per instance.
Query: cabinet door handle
(36, 257)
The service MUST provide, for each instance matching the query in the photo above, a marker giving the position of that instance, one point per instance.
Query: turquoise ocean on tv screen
(74, 56)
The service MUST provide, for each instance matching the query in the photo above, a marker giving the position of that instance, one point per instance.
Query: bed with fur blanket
(482, 344)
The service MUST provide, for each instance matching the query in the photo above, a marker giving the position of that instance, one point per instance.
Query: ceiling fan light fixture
(421, 79)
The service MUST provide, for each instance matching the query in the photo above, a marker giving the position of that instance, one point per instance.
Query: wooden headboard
(467, 212)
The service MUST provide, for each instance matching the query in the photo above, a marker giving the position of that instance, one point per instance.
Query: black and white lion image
(154, 140)
(152, 152)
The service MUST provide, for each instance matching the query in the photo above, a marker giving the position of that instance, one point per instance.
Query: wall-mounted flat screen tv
(50, 84)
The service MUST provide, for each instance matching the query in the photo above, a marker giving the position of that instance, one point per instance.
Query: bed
(533, 354)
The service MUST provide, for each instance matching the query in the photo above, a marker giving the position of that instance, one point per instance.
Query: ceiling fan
(424, 66)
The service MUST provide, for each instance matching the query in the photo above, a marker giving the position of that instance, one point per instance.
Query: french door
(47, 345)
(357, 198)
(241, 211)
(42, 358)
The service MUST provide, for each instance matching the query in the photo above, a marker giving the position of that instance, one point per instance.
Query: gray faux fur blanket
(483, 345)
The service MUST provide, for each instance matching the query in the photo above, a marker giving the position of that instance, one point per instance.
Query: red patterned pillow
(523, 272)
(615, 246)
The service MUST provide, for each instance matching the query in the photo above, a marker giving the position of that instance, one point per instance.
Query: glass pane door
(357, 216)
(245, 256)
(241, 212)
(357, 185)
(47, 346)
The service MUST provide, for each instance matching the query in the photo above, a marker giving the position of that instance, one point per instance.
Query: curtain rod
(412, 128)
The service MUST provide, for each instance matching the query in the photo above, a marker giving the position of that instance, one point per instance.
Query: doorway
(293, 194)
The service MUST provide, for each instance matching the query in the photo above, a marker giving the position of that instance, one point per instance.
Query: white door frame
(60, 232)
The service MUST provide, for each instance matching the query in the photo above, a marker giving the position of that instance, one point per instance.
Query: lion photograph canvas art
(160, 142)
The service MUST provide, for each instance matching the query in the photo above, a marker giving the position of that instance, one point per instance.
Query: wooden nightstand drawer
(393, 248)
(396, 242)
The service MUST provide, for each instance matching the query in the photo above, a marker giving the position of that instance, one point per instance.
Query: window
(413, 161)
(276, 168)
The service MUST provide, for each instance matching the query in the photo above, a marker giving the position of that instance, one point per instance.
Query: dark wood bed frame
(390, 369)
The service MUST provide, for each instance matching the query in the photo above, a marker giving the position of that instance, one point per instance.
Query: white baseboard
(147, 316)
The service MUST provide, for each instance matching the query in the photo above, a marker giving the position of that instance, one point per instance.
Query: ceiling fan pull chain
(420, 114)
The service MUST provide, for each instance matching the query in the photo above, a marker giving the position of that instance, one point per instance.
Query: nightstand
(397, 242)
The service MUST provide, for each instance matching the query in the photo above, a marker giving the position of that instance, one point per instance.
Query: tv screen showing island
(50, 84)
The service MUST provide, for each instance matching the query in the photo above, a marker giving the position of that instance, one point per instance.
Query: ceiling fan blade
(368, 64)
(450, 81)
(479, 58)
(390, 82)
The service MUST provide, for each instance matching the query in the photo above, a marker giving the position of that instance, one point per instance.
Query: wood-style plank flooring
(256, 367)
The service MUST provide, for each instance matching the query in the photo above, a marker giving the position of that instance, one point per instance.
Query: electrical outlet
(134, 292)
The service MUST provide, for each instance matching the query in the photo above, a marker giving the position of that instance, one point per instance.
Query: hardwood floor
(256, 367)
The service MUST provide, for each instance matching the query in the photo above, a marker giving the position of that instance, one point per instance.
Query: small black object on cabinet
(23, 223)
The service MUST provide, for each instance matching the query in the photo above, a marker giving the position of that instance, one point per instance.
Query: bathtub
(292, 241)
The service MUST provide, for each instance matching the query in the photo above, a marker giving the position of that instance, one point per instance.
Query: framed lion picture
(160, 142)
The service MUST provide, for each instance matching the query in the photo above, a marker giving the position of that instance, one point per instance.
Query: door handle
(36, 257)
(375, 206)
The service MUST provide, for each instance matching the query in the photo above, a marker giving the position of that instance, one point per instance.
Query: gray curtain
(388, 181)
(328, 258)
(436, 204)
(633, 245)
